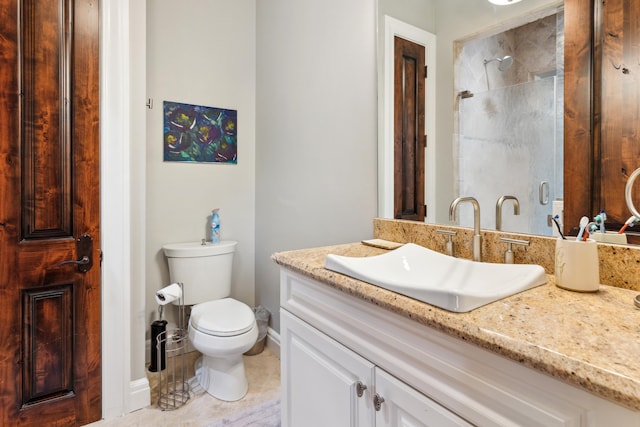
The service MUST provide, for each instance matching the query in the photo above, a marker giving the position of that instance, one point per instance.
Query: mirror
(480, 82)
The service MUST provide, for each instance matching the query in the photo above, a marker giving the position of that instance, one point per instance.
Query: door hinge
(426, 71)
(150, 103)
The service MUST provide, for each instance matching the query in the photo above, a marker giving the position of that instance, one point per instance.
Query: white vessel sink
(454, 284)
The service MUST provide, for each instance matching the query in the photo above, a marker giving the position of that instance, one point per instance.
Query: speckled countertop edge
(590, 340)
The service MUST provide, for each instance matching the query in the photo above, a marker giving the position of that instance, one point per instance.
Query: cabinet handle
(377, 402)
(360, 388)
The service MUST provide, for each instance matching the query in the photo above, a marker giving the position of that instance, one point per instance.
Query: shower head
(504, 62)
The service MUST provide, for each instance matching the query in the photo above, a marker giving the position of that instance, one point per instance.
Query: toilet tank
(204, 270)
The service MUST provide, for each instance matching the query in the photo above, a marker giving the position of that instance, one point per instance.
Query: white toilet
(220, 327)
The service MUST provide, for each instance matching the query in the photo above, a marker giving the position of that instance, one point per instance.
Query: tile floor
(263, 373)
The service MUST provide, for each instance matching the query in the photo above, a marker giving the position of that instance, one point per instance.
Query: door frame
(125, 387)
(394, 27)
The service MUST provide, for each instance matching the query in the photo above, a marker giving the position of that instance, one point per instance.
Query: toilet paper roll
(169, 294)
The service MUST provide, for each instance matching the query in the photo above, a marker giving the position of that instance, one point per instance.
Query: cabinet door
(405, 407)
(321, 378)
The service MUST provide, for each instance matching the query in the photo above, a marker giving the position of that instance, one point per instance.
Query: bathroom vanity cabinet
(328, 384)
(323, 379)
(348, 362)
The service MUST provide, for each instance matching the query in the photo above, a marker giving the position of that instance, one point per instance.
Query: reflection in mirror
(509, 120)
(507, 87)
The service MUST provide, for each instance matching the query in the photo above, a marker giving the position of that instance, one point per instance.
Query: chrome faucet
(516, 209)
(477, 237)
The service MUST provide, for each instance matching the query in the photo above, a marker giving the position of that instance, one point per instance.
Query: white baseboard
(139, 395)
(273, 341)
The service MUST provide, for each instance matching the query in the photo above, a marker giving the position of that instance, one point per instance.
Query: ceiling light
(503, 2)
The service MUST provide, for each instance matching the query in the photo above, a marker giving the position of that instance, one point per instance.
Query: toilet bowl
(220, 327)
(222, 330)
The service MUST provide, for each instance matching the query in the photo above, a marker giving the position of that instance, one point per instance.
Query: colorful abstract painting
(193, 133)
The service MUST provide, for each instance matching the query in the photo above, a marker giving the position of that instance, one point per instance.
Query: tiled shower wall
(510, 131)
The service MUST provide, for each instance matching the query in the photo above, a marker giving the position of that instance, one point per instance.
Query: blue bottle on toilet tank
(215, 226)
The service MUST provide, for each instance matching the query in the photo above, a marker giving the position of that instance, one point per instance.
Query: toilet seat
(222, 318)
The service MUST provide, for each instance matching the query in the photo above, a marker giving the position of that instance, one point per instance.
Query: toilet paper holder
(171, 345)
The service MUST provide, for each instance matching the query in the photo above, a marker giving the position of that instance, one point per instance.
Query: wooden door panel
(602, 113)
(48, 343)
(46, 39)
(409, 138)
(620, 112)
(579, 119)
(49, 196)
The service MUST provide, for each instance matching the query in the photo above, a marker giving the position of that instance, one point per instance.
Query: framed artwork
(195, 133)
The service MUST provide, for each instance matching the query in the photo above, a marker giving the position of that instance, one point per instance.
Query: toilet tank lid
(197, 249)
(223, 317)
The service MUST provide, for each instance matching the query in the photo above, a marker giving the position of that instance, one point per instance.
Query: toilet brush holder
(157, 328)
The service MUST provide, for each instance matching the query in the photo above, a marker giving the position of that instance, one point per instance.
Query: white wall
(201, 52)
(418, 13)
(316, 130)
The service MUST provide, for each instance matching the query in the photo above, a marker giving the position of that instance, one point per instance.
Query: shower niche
(509, 121)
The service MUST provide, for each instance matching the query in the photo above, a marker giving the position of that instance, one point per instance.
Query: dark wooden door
(50, 371)
(578, 112)
(602, 110)
(618, 153)
(409, 133)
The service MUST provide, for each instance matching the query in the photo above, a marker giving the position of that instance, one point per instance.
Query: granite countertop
(590, 340)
